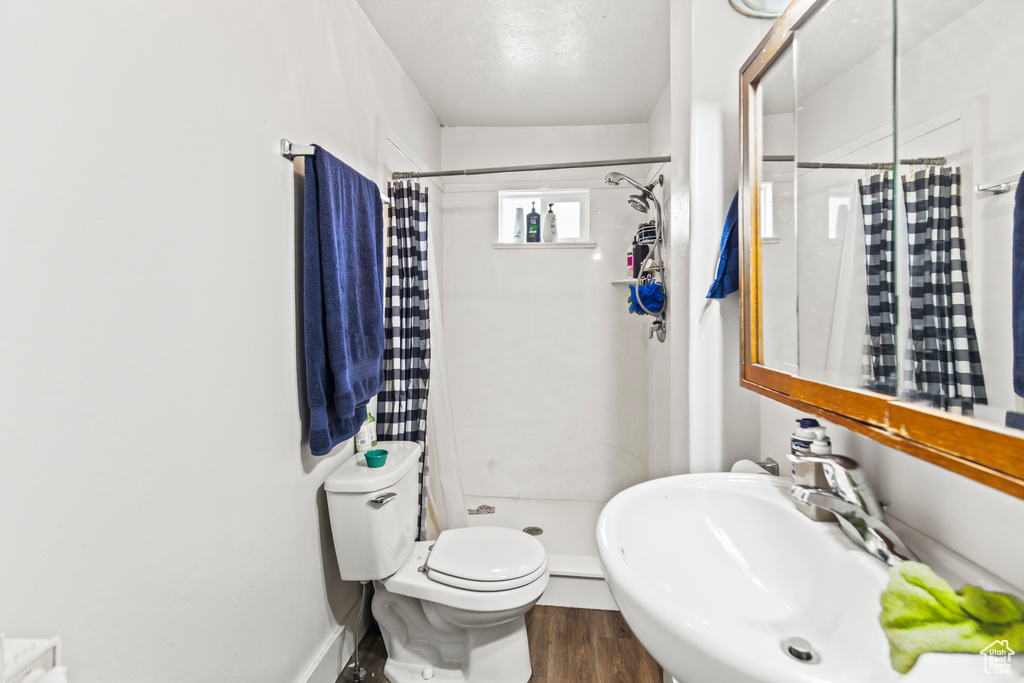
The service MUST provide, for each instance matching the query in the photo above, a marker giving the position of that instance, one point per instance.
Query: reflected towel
(921, 613)
(1018, 290)
(727, 278)
(343, 311)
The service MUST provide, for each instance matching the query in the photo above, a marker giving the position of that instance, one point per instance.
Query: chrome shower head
(614, 178)
(638, 203)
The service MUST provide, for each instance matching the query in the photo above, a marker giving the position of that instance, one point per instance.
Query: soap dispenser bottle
(533, 224)
(805, 434)
(812, 474)
(550, 232)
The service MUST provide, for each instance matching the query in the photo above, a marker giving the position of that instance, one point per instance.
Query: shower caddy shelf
(652, 268)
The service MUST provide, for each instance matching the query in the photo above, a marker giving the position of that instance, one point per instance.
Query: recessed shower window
(571, 209)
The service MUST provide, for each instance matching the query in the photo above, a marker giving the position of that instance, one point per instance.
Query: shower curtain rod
(402, 175)
(921, 161)
(289, 150)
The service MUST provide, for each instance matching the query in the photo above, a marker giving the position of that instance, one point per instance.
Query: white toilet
(450, 609)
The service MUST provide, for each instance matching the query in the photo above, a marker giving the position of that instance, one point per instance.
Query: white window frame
(506, 222)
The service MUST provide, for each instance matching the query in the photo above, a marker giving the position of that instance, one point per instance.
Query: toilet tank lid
(353, 476)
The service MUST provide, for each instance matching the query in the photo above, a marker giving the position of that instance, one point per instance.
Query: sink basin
(713, 572)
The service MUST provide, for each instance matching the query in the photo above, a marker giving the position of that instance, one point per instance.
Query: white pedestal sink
(713, 572)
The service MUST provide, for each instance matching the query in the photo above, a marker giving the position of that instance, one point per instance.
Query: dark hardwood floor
(567, 645)
(372, 655)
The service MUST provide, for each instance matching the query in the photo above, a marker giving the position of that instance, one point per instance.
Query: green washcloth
(921, 613)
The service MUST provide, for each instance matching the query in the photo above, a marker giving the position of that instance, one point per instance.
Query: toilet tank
(374, 532)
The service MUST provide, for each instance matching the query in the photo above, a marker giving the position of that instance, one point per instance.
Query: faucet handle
(840, 461)
(846, 478)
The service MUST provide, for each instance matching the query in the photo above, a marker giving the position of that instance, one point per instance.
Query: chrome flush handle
(383, 499)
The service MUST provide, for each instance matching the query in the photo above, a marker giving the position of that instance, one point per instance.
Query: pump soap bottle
(550, 232)
(811, 474)
(533, 224)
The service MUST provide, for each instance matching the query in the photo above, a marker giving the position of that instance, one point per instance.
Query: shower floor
(570, 538)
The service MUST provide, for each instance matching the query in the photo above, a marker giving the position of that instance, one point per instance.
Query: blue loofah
(652, 295)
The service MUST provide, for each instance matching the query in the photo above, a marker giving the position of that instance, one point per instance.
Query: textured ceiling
(530, 62)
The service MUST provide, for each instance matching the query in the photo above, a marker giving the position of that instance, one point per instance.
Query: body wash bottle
(550, 232)
(533, 224)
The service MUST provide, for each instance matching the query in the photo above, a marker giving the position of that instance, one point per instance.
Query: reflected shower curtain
(878, 364)
(943, 363)
(402, 403)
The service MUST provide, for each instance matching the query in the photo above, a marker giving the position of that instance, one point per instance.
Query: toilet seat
(486, 559)
(411, 580)
(485, 586)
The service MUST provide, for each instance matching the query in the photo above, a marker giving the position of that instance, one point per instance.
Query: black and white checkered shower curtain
(943, 362)
(878, 366)
(402, 403)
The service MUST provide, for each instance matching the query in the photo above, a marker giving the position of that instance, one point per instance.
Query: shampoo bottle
(519, 234)
(550, 232)
(533, 224)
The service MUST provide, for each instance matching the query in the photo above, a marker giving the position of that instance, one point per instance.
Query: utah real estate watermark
(997, 657)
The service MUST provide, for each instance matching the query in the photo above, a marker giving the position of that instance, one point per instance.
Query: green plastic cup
(376, 457)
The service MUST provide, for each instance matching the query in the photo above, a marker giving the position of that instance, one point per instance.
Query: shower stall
(539, 380)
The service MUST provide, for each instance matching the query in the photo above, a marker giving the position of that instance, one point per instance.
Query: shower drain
(533, 530)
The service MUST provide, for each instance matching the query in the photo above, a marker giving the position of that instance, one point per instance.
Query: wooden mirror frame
(953, 442)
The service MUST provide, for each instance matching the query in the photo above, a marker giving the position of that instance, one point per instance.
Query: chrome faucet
(851, 500)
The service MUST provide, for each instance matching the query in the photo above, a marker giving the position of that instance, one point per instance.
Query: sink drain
(800, 650)
(533, 530)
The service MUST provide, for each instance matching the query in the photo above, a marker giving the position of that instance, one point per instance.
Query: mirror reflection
(887, 258)
(957, 101)
(777, 198)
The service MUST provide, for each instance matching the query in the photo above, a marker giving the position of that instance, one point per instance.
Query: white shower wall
(548, 370)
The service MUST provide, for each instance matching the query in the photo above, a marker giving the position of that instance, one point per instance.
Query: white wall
(659, 377)
(720, 426)
(547, 368)
(160, 510)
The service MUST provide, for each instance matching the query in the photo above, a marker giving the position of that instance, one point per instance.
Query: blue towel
(1018, 290)
(343, 311)
(727, 279)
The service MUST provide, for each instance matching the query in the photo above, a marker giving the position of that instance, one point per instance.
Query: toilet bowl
(450, 609)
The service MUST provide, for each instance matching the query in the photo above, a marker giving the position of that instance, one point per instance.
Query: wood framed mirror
(872, 131)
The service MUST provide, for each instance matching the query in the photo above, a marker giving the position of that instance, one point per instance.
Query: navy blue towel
(343, 310)
(727, 279)
(1018, 290)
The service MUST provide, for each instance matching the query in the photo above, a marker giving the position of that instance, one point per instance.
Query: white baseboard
(575, 591)
(577, 581)
(337, 648)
